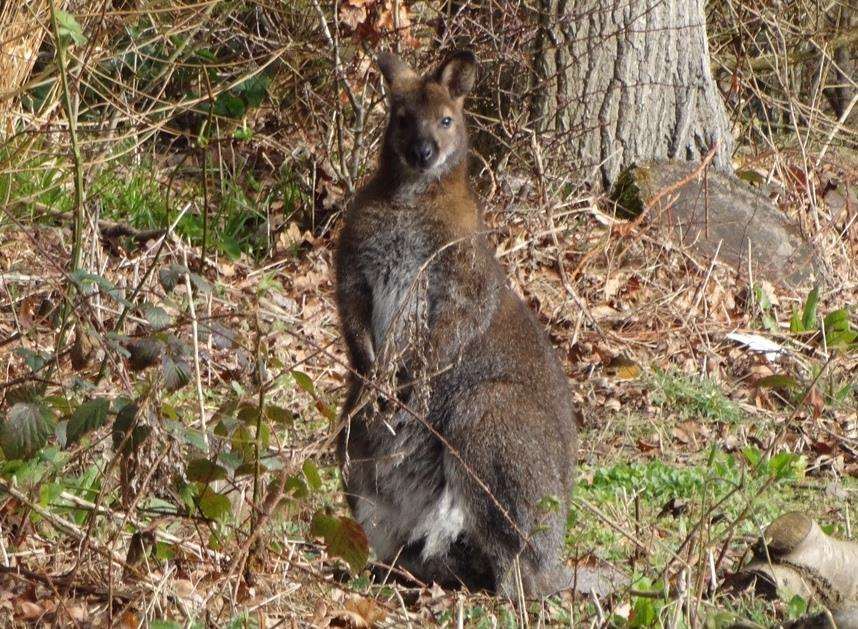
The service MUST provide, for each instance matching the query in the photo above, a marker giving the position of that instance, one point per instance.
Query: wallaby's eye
(446, 122)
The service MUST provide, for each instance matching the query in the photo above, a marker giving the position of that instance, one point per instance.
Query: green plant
(697, 398)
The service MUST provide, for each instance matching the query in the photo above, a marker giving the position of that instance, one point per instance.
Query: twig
(195, 335)
(72, 530)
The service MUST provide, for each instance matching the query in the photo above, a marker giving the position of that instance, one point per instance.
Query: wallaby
(458, 441)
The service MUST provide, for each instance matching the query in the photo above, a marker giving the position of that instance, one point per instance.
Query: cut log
(796, 557)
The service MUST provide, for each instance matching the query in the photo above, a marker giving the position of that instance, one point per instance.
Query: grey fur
(427, 314)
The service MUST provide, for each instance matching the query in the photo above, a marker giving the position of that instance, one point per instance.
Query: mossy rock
(725, 210)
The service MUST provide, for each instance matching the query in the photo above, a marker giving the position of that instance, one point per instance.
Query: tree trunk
(627, 81)
(21, 35)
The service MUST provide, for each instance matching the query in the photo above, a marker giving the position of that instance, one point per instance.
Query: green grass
(693, 398)
(237, 223)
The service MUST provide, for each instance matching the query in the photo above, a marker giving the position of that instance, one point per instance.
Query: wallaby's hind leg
(520, 522)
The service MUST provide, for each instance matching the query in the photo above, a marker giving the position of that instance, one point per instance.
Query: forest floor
(691, 442)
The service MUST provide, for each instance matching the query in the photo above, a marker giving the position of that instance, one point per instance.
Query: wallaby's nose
(422, 153)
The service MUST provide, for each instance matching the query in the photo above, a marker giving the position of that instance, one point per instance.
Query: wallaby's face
(426, 132)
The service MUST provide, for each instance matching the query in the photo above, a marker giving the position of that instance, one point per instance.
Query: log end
(787, 532)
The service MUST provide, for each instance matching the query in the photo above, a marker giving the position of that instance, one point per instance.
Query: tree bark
(627, 81)
(21, 35)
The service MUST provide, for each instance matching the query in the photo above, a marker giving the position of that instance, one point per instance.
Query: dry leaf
(817, 404)
(622, 368)
(29, 610)
(79, 613)
(183, 588)
(363, 612)
(352, 16)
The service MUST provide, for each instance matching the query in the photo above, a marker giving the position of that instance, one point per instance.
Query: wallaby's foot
(600, 580)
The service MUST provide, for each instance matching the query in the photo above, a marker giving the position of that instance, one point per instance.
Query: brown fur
(478, 391)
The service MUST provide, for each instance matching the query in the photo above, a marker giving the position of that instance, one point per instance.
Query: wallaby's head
(426, 134)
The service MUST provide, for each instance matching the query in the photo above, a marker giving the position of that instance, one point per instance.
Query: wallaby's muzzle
(422, 154)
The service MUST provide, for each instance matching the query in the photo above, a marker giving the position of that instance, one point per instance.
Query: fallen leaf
(817, 404)
(30, 610)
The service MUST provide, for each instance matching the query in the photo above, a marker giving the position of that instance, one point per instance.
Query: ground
(169, 403)
(691, 442)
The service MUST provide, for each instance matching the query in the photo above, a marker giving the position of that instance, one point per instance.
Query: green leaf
(344, 538)
(177, 373)
(214, 506)
(126, 419)
(644, 613)
(248, 413)
(843, 392)
(69, 28)
(304, 381)
(204, 471)
(229, 105)
(88, 416)
(231, 247)
(795, 324)
(26, 429)
(25, 393)
(840, 338)
(752, 455)
(751, 176)
(242, 442)
(808, 316)
(34, 360)
(231, 460)
(797, 606)
(169, 276)
(311, 473)
(60, 404)
(156, 316)
(244, 133)
(201, 283)
(49, 493)
(296, 487)
(264, 437)
(762, 297)
(254, 89)
(778, 381)
(786, 465)
(836, 321)
(770, 323)
(164, 552)
(144, 353)
(82, 277)
(279, 415)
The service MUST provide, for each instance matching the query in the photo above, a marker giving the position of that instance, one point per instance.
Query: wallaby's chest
(396, 263)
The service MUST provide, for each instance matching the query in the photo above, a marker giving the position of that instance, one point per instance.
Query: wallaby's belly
(404, 496)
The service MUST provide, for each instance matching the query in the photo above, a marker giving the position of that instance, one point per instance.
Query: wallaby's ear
(394, 70)
(458, 73)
